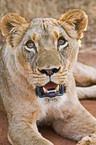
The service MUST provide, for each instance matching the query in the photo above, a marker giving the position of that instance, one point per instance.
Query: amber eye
(62, 41)
(29, 45)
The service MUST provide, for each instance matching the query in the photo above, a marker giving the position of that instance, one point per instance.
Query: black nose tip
(49, 72)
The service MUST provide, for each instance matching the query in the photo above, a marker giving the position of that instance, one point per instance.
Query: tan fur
(19, 76)
(85, 76)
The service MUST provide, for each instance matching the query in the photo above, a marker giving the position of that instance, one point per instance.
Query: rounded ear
(77, 19)
(10, 24)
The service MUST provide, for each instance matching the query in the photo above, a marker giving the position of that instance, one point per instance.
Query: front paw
(40, 141)
(43, 142)
(88, 140)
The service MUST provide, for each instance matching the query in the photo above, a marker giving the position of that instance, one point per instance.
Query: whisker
(35, 75)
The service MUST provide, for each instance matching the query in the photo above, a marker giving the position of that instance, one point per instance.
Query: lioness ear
(10, 25)
(76, 18)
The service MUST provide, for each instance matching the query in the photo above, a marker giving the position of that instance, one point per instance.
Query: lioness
(36, 78)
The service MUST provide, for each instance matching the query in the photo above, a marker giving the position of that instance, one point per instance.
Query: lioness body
(36, 78)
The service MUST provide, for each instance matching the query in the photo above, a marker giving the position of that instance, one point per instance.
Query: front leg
(21, 132)
(86, 92)
(79, 124)
(22, 129)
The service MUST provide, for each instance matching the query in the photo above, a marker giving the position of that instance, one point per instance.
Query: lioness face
(45, 52)
(49, 53)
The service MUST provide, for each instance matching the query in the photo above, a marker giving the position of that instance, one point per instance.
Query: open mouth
(50, 90)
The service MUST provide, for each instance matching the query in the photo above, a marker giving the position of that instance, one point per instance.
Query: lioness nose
(49, 72)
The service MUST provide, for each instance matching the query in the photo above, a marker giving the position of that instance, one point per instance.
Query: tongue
(50, 85)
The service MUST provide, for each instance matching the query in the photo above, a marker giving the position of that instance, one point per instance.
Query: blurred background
(54, 8)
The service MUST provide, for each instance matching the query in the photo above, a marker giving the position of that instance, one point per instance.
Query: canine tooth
(45, 90)
(57, 88)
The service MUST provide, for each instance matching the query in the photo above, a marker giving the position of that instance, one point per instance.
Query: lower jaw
(40, 93)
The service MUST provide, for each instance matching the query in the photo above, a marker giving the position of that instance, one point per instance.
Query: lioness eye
(62, 41)
(29, 45)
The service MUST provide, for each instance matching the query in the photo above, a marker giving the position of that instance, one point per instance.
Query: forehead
(44, 23)
(45, 27)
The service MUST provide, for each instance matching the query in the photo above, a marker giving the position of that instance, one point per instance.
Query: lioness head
(45, 50)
